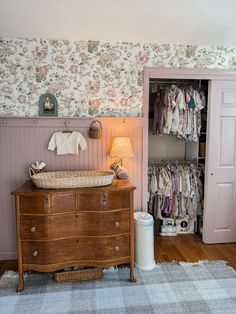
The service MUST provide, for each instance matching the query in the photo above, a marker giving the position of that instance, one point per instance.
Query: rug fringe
(10, 274)
(200, 262)
(203, 262)
(14, 274)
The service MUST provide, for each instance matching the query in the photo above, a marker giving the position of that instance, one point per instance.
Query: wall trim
(8, 255)
(185, 73)
(60, 121)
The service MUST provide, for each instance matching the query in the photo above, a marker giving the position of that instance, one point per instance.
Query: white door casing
(220, 204)
(219, 223)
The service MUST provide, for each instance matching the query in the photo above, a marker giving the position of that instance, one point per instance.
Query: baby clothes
(67, 143)
(174, 190)
(178, 111)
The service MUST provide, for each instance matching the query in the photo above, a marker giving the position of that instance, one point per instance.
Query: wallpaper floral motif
(90, 78)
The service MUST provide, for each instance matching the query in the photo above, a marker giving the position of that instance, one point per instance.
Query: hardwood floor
(8, 265)
(190, 248)
(183, 248)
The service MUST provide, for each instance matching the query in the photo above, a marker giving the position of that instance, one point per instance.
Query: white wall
(201, 22)
(164, 147)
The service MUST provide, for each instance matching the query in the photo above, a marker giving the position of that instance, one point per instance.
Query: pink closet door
(220, 193)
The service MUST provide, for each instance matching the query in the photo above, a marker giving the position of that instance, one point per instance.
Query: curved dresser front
(71, 227)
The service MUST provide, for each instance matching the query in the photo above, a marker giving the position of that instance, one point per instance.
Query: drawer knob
(35, 253)
(33, 229)
(117, 224)
(104, 198)
(46, 204)
(117, 248)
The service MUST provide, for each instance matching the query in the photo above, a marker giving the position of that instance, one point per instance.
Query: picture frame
(48, 105)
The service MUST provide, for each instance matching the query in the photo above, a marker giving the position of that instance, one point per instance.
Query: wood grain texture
(190, 248)
(89, 226)
(93, 263)
(82, 248)
(19, 245)
(187, 248)
(39, 204)
(46, 227)
(103, 201)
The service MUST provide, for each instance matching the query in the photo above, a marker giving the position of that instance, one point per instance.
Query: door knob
(212, 174)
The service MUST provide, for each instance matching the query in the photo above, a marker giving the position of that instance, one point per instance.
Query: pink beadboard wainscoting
(24, 140)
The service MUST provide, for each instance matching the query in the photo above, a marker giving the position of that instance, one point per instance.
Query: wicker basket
(95, 130)
(72, 179)
(78, 275)
(202, 149)
(33, 171)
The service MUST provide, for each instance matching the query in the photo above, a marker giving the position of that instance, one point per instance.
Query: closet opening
(177, 137)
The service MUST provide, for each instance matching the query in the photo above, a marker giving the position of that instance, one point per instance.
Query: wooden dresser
(70, 227)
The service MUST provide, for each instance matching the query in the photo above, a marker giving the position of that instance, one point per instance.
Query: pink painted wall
(23, 140)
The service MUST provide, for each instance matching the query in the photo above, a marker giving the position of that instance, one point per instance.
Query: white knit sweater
(67, 143)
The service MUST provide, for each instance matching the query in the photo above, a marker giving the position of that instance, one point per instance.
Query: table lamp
(121, 148)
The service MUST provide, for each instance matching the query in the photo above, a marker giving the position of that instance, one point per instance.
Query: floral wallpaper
(90, 78)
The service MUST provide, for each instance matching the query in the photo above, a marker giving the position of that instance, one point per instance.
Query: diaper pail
(144, 240)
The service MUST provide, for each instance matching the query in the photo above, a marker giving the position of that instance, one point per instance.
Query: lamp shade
(121, 148)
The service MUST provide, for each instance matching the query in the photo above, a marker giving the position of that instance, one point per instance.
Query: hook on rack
(66, 123)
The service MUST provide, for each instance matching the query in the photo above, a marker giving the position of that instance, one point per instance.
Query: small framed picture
(48, 105)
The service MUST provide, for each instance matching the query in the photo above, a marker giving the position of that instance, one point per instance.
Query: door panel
(227, 142)
(220, 197)
(224, 201)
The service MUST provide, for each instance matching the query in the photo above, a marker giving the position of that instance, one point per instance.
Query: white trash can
(144, 240)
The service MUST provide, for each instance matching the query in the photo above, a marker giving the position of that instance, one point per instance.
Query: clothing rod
(175, 82)
(172, 162)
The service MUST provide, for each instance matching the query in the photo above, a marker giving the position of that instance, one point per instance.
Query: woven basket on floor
(72, 179)
(78, 275)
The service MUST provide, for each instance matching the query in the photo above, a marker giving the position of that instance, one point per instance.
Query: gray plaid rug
(204, 287)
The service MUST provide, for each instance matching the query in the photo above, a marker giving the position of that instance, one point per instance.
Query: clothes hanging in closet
(178, 111)
(175, 190)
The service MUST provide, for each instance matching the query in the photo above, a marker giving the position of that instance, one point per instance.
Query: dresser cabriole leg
(21, 283)
(132, 275)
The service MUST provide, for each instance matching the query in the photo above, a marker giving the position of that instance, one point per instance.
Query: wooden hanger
(66, 127)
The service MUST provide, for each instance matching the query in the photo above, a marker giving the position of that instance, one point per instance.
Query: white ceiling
(201, 22)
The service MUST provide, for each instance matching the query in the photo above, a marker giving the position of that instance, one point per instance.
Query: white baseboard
(8, 255)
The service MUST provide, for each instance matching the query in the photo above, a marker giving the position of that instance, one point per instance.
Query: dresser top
(29, 187)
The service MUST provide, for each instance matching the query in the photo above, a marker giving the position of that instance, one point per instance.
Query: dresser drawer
(80, 249)
(103, 201)
(34, 204)
(63, 202)
(46, 204)
(72, 225)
